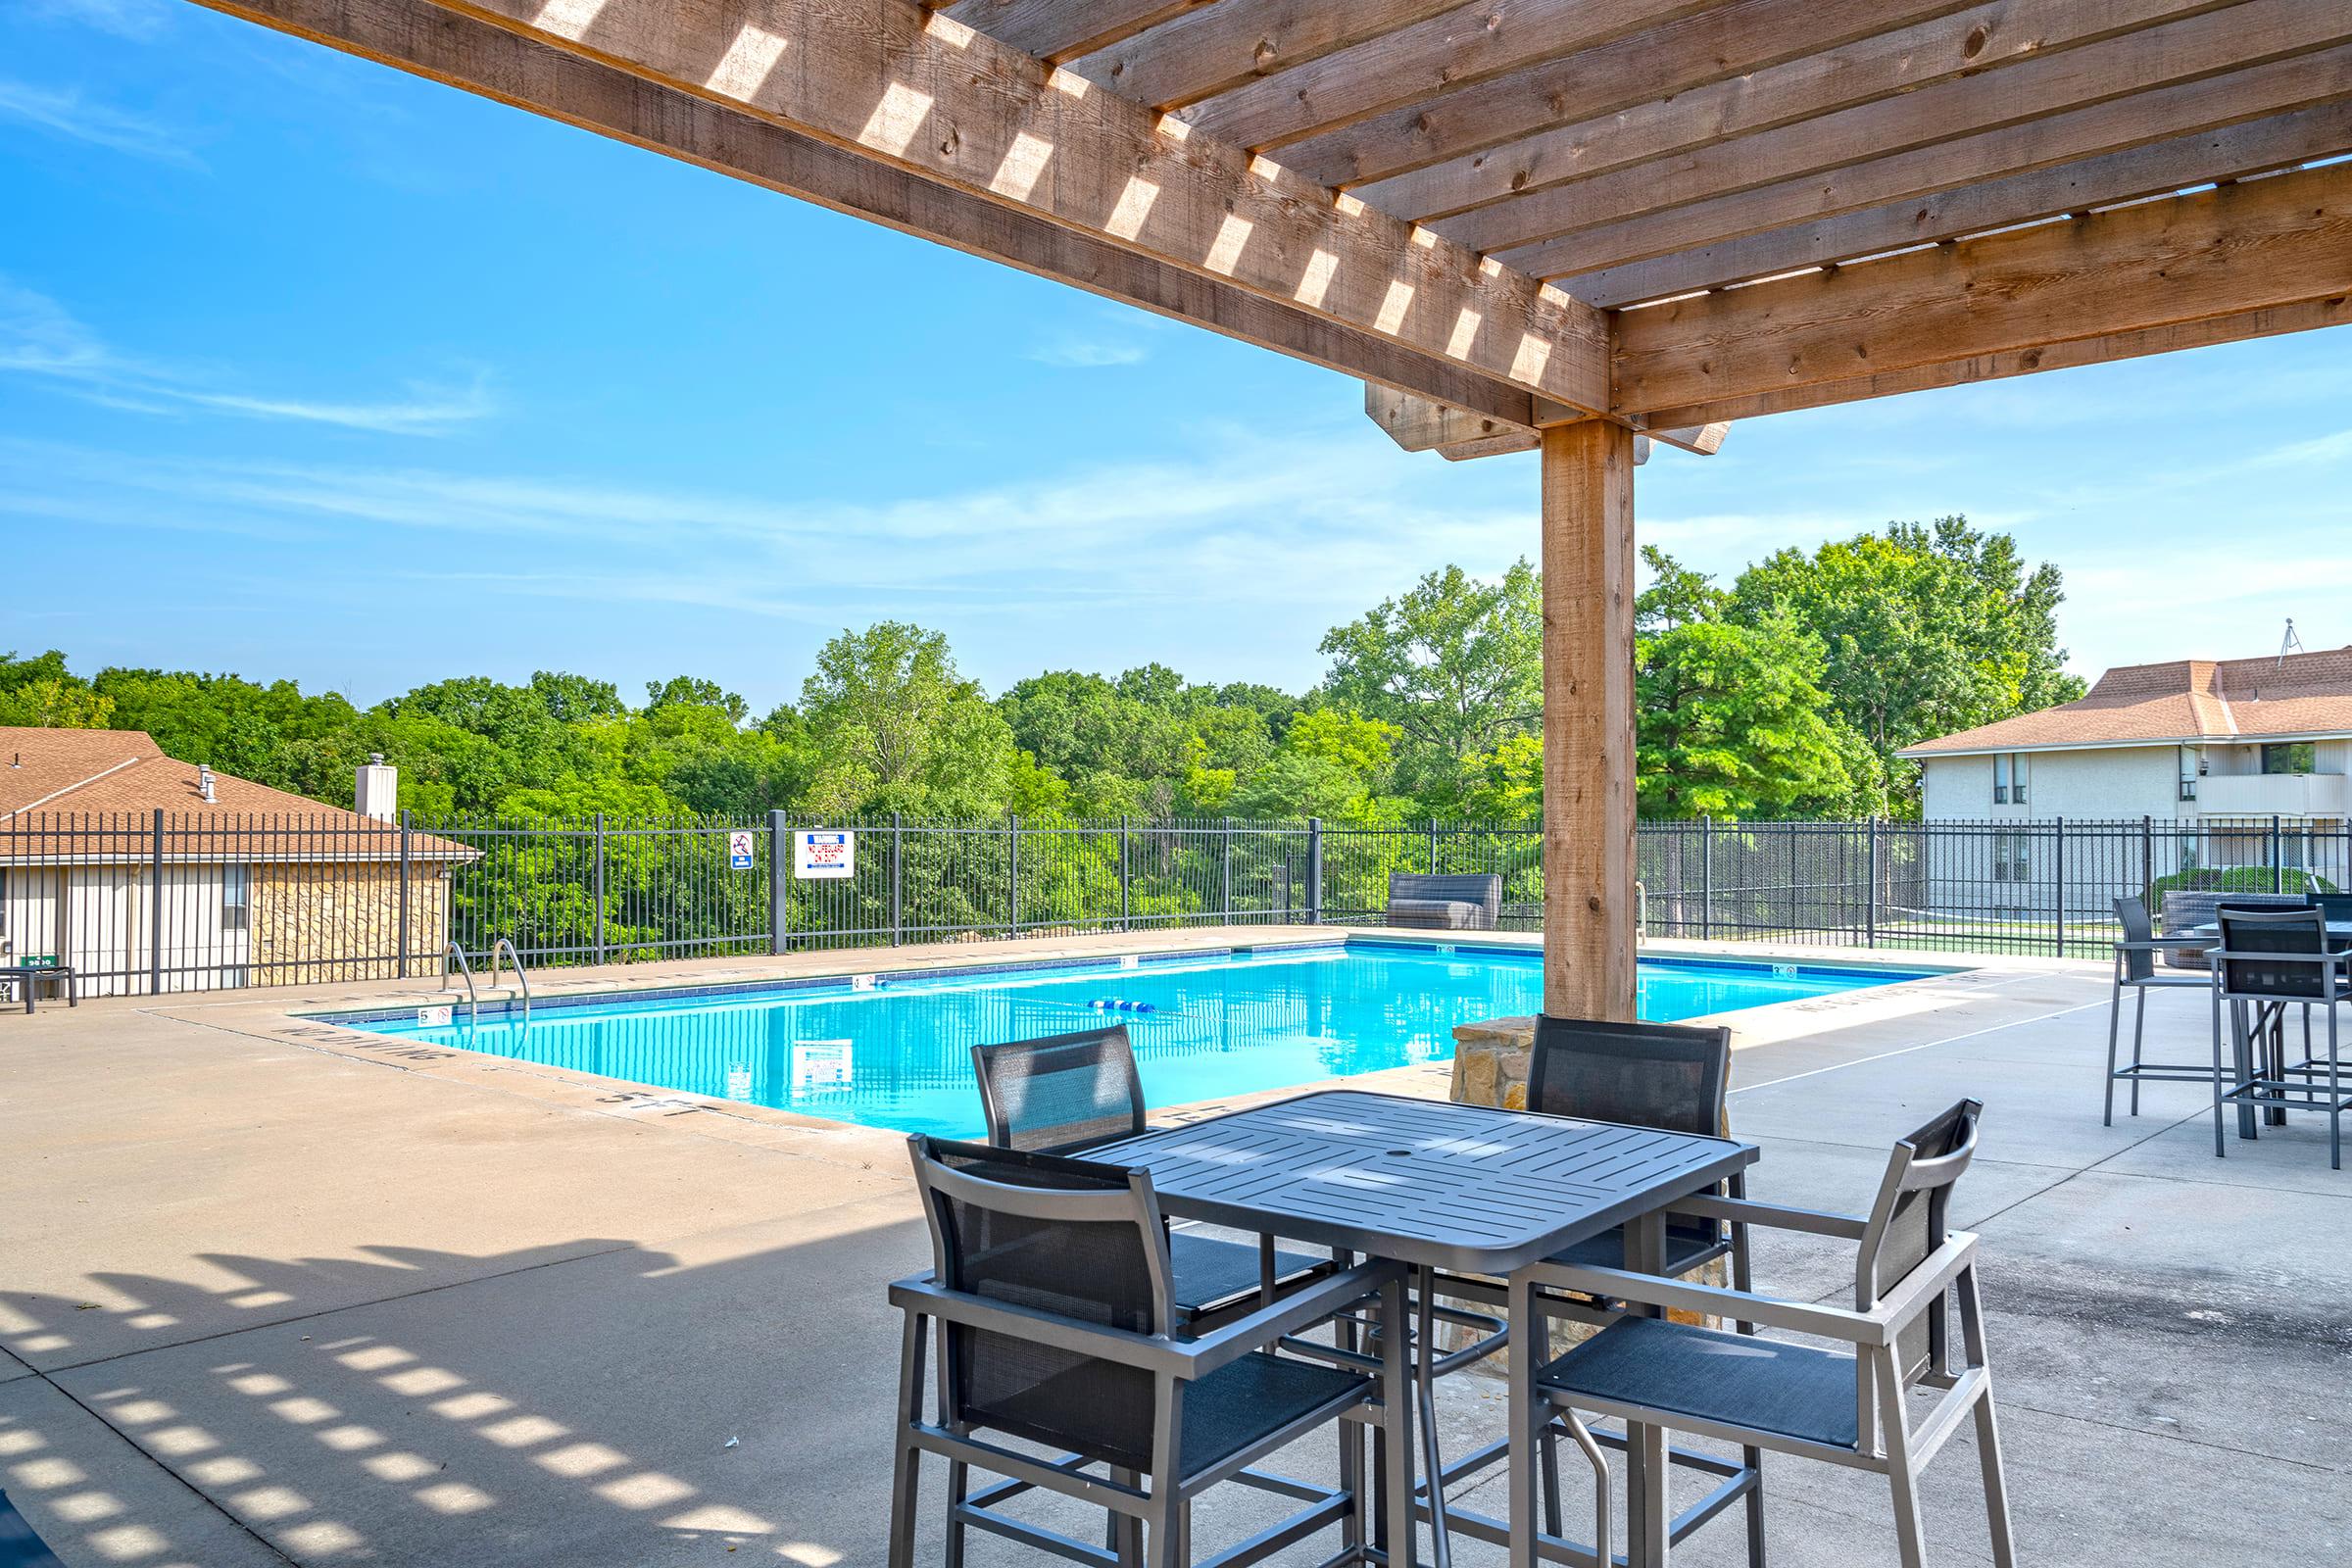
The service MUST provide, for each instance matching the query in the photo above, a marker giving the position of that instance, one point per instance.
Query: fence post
(155, 913)
(1870, 910)
(1225, 874)
(1315, 870)
(2059, 890)
(405, 866)
(1706, 877)
(2278, 862)
(1126, 907)
(1012, 874)
(2147, 858)
(1433, 846)
(598, 881)
(779, 853)
(897, 840)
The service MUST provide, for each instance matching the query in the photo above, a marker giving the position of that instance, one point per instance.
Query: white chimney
(377, 792)
(204, 782)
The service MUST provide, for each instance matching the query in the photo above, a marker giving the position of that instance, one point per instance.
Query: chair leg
(2114, 1024)
(2140, 1034)
(2219, 1151)
(1171, 1536)
(905, 1475)
(959, 1486)
(1754, 1459)
(2336, 1100)
(1126, 1533)
(1548, 1461)
(1895, 1434)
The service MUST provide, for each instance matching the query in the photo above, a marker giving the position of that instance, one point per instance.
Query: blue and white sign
(823, 857)
(739, 852)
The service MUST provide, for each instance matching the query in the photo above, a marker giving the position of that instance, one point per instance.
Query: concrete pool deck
(269, 1294)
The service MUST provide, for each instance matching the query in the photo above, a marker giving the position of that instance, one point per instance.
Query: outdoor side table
(25, 974)
(1466, 1188)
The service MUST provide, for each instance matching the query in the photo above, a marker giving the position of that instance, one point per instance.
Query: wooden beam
(918, 92)
(2234, 152)
(2279, 87)
(1055, 29)
(2048, 109)
(1212, 48)
(1418, 424)
(1588, 914)
(2310, 315)
(2281, 240)
(1772, 63)
(420, 37)
(1469, 42)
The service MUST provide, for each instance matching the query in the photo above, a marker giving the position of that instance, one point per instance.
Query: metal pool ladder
(507, 945)
(474, 1003)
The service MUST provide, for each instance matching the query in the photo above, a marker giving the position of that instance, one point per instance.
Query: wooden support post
(1589, 722)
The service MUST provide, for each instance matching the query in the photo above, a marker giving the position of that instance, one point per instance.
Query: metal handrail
(474, 1003)
(521, 981)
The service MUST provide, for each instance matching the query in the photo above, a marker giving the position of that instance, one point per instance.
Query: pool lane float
(1117, 1004)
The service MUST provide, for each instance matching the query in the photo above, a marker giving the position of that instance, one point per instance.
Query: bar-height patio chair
(1849, 1407)
(1066, 1093)
(2136, 967)
(2276, 960)
(1673, 1077)
(1059, 1326)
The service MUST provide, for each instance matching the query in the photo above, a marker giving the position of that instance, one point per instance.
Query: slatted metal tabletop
(1424, 1182)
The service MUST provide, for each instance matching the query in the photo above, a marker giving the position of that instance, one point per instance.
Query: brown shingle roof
(85, 794)
(2187, 701)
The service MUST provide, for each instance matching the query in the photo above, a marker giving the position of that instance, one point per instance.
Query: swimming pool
(894, 1049)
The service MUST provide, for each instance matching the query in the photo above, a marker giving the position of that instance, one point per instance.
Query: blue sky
(311, 369)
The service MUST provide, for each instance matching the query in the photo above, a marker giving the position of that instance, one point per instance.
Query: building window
(2012, 857)
(235, 897)
(2292, 756)
(2192, 766)
(2009, 778)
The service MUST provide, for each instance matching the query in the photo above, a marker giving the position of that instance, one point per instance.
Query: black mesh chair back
(2131, 914)
(1908, 1223)
(1072, 1239)
(2274, 956)
(2335, 907)
(1061, 1093)
(1663, 1075)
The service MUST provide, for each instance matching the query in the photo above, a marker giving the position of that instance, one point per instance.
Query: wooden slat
(1212, 48)
(418, 36)
(2026, 99)
(2257, 146)
(1055, 29)
(2279, 87)
(1589, 722)
(1481, 39)
(1674, 113)
(2310, 315)
(1421, 425)
(1464, 122)
(921, 92)
(2285, 239)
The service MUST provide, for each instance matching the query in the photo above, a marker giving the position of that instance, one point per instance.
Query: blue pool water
(898, 1054)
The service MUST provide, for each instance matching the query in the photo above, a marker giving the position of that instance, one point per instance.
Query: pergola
(1553, 224)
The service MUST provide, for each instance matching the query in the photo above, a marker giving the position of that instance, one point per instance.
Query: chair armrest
(1746, 1306)
(2157, 944)
(1920, 1289)
(1295, 1310)
(1774, 1216)
(1150, 1352)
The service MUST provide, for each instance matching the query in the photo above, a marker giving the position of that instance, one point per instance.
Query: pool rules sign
(823, 857)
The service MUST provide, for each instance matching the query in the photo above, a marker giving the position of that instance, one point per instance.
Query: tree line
(1786, 693)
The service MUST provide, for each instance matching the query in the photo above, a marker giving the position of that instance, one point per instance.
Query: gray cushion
(1740, 1380)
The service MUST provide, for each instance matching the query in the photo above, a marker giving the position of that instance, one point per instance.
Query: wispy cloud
(68, 112)
(124, 19)
(1088, 353)
(40, 338)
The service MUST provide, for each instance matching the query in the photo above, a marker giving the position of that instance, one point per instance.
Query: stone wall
(1489, 1062)
(342, 923)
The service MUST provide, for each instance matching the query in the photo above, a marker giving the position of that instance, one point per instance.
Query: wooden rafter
(1055, 30)
(2280, 241)
(915, 90)
(1212, 48)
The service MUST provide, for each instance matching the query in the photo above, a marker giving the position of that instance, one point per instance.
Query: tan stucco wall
(346, 916)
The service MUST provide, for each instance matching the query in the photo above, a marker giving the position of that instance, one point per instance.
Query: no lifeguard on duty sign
(821, 856)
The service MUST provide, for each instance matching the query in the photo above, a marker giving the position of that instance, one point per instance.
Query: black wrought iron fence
(148, 902)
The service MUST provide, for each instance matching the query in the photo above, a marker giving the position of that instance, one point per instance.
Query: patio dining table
(1439, 1186)
(2269, 1025)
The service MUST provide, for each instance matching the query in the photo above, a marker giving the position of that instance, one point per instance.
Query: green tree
(897, 728)
(1925, 628)
(574, 698)
(39, 693)
(1455, 664)
(1729, 715)
(690, 691)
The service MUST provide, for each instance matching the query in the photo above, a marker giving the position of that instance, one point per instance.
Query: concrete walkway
(267, 1297)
